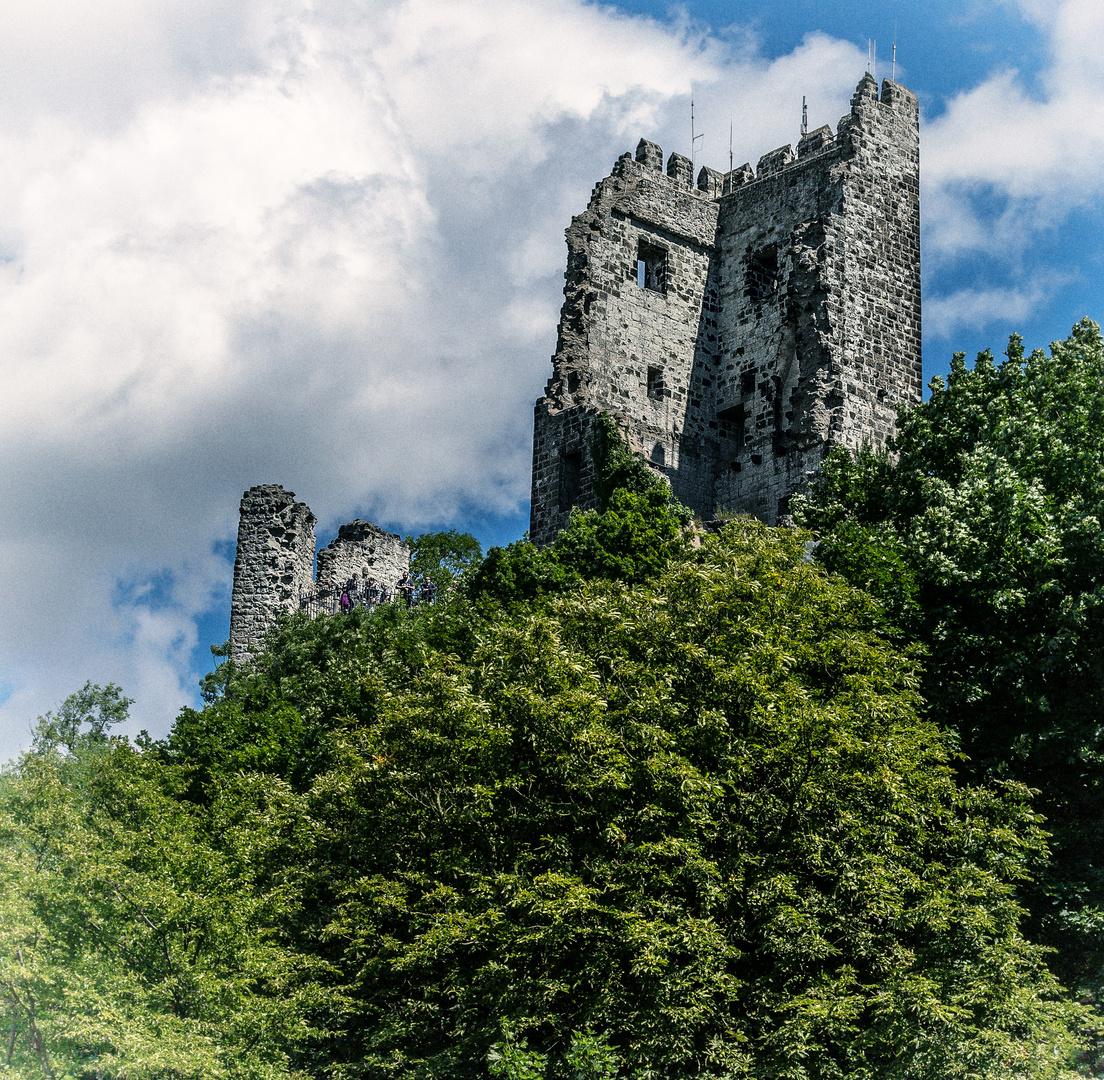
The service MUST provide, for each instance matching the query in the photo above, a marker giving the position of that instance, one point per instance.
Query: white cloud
(1036, 154)
(314, 244)
(978, 308)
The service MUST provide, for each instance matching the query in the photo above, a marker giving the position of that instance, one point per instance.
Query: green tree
(444, 556)
(140, 936)
(983, 538)
(634, 535)
(697, 818)
(83, 719)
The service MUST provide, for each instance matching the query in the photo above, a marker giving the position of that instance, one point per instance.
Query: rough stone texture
(740, 329)
(276, 556)
(272, 567)
(362, 550)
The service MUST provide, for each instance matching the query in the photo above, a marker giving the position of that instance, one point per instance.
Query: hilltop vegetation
(984, 540)
(642, 803)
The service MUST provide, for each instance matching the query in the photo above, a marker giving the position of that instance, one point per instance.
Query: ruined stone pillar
(273, 566)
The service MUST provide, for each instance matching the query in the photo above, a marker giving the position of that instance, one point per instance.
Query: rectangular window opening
(655, 382)
(763, 275)
(571, 479)
(651, 267)
(734, 424)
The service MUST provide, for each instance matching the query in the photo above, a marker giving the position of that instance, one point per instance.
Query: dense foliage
(142, 936)
(638, 529)
(685, 822)
(983, 538)
(443, 556)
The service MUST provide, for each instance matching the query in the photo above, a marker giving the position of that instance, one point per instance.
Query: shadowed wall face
(739, 329)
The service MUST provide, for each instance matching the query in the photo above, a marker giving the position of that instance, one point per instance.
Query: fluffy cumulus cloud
(1010, 158)
(318, 244)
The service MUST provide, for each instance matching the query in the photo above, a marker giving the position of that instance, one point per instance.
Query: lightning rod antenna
(893, 68)
(693, 141)
(804, 116)
(730, 144)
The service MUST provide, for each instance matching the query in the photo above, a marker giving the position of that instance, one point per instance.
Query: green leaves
(139, 938)
(699, 816)
(983, 540)
(100, 708)
(444, 556)
(641, 805)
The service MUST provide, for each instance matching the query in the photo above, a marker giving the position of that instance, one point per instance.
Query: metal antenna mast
(730, 144)
(804, 116)
(693, 141)
(893, 68)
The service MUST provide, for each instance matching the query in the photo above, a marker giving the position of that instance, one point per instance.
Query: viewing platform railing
(326, 600)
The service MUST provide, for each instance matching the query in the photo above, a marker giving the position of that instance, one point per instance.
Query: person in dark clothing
(405, 585)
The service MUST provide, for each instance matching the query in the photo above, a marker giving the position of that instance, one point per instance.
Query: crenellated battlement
(867, 108)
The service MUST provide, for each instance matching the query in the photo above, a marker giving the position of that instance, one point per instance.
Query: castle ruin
(274, 567)
(739, 328)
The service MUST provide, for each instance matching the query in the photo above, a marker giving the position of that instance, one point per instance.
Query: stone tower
(740, 328)
(273, 566)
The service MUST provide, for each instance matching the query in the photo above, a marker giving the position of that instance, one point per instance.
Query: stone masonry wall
(272, 567)
(638, 275)
(740, 329)
(362, 550)
(275, 559)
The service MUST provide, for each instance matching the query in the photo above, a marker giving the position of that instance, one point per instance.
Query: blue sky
(321, 244)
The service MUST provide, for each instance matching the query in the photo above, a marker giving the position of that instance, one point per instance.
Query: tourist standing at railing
(372, 594)
(406, 586)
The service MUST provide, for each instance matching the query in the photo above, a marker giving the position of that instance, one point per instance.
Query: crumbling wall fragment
(272, 567)
(362, 550)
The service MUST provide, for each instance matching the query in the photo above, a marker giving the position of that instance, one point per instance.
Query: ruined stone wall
(881, 286)
(362, 550)
(824, 354)
(637, 278)
(273, 565)
(740, 329)
(777, 301)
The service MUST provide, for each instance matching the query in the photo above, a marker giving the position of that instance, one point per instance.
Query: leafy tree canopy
(983, 538)
(83, 719)
(639, 528)
(139, 938)
(677, 812)
(444, 556)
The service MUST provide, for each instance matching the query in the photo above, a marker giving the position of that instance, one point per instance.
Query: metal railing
(327, 600)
